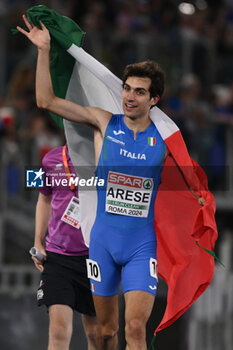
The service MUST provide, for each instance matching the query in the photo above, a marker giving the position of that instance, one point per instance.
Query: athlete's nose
(130, 95)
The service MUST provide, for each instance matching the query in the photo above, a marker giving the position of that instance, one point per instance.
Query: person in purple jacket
(64, 286)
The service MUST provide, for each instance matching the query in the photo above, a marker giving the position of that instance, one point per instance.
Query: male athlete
(129, 155)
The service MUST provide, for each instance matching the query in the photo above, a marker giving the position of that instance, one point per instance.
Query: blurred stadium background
(193, 41)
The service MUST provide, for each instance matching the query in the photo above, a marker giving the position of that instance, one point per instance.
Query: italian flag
(181, 222)
(151, 141)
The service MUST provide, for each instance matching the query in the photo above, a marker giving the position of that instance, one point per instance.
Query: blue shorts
(126, 255)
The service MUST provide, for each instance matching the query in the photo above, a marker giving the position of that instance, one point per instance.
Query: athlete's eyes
(140, 92)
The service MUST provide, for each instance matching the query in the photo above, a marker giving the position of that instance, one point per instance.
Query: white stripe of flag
(151, 141)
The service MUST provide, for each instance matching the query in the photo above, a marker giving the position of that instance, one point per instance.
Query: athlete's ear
(154, 100)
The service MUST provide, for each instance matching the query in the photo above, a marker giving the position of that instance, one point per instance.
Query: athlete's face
(136, 97)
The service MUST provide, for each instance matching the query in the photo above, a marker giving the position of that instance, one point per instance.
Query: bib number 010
(93, 270)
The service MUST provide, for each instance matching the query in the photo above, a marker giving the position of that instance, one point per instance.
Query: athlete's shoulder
(117, 116)
(157, 133)
(115, 119)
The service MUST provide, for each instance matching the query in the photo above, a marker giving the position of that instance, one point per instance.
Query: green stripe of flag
(211, 253)
(64, 32)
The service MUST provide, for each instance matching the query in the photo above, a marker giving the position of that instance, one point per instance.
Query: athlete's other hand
(201, 201)
(40, 264)
(39, 37)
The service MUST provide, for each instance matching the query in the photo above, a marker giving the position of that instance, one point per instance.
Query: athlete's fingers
(40, 267)
(201, 200)
(43, 26)
(28, 24)
(22, 31)
(38, 264)
(34, 260)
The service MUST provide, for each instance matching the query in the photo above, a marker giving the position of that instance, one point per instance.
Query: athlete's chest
(120, 147)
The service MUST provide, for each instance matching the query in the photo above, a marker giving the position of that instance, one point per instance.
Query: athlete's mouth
(129, 106)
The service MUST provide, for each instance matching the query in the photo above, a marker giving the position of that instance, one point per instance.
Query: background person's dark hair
(147, 69)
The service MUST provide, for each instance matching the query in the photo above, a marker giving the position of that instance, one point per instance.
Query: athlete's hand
(39, 37)
(201, 201)
(40, 264)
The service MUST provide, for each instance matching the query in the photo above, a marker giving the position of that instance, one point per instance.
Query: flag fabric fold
(64, 32)
(179, 219)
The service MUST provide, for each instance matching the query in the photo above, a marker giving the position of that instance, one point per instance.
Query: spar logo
(147, 184)
(125, 180)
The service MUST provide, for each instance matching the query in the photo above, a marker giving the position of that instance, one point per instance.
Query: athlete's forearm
(44, 89)
(46, 98)
(43, 213)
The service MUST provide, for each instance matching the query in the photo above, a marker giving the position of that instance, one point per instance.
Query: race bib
(153, 268)
(128, 195)
(93, 270)
(71, 214)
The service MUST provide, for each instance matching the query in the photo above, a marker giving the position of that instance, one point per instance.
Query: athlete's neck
(137, 124)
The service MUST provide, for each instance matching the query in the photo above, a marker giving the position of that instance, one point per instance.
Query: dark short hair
(147, 69)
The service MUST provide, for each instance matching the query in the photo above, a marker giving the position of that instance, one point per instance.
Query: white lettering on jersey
(125, 153)
(115, 140)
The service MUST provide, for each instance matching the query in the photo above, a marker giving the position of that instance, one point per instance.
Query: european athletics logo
(35, 178)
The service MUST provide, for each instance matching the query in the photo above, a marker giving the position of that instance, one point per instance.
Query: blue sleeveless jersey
(131, 170)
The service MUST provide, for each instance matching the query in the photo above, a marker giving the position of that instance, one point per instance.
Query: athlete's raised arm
(45, 96)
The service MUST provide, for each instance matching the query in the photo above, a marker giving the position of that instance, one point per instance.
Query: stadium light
(186, 8)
